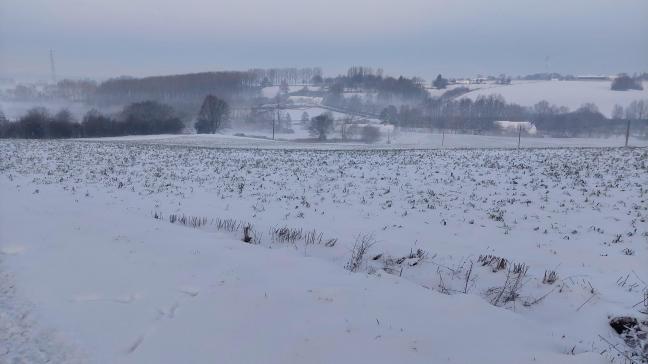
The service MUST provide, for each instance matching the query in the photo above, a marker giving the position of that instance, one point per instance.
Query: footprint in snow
(191, 292)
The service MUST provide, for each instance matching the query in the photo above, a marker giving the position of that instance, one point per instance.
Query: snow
(272, 91)
(156, 293)
(419, 139)
(571, 94)
(22, 339)
(308, 100)
(95, 269)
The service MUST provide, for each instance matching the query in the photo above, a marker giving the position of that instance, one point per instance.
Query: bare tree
(637, 110)
(284, 88)
(617, 112)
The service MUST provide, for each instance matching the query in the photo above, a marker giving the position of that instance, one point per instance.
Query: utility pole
(442, 137)
(519, 135)
(627, 133)
(52, 67)
(277, 120)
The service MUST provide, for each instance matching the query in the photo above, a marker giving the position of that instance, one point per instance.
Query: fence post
(273, 122)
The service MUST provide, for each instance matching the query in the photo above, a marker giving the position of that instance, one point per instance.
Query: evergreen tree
(440, 82)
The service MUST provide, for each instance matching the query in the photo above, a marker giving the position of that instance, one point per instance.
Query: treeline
(479, 116)
(387, 89)
(624, 82)
(463, 114)
(230, 86)
(275, 76)
(234, 86)
(141, 118)
(584, 121)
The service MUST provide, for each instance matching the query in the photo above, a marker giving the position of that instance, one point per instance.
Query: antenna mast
(52, 67)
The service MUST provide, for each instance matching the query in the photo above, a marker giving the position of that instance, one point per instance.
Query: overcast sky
(106, 38)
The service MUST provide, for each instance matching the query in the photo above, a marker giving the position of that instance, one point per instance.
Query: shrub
(149, 117)
(360, 248)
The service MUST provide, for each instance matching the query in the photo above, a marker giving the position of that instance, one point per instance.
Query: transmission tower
(52, 67)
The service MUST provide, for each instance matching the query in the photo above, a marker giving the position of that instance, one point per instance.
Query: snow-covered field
(397, 140)
(132, 252)
(272, 91)
(571, 94)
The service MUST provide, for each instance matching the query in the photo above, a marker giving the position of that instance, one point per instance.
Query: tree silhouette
(212, 115)
(440, 82)
(321, 125)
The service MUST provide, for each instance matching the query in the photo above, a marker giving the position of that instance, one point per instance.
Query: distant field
(572, 94)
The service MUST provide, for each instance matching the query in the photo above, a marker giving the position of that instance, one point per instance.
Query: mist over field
(324, 181)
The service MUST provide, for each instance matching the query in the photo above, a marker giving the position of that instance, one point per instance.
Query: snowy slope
(571, 94)
(272, 91)
(126, 288)
(79, 238)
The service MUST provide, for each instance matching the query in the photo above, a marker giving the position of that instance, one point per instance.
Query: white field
(398, 140)
(272, 91)
(88, 274)
(571, 94)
